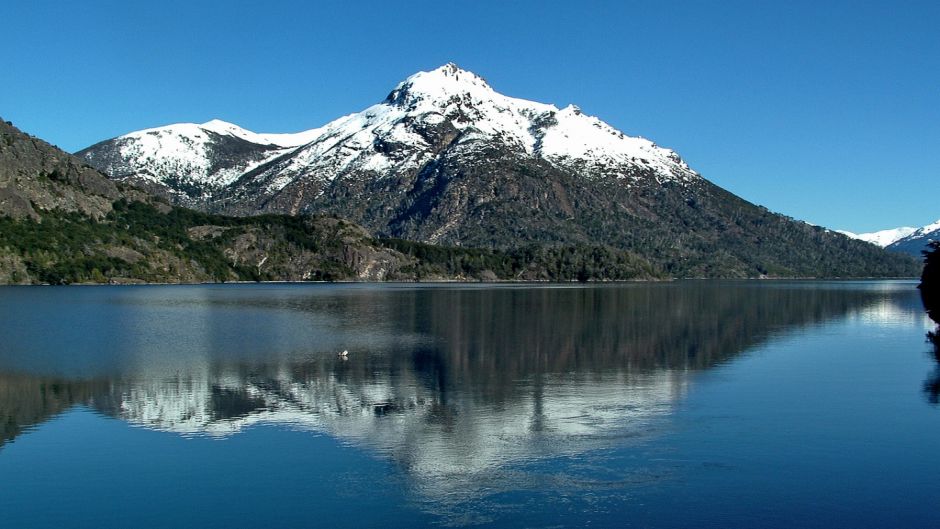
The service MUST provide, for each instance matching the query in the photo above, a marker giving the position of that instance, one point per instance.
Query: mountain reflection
(26, 400)
(447, 381)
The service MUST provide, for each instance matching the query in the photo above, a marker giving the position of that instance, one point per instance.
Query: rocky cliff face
(37, 177)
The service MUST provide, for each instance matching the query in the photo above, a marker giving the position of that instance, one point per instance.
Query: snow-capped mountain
(446, 107)
(904, 240)
(446, 159)
(456, 108)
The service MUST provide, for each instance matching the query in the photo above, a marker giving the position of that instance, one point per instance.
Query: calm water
(705, 404)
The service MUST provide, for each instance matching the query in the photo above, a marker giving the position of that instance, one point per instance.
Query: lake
(680, 404)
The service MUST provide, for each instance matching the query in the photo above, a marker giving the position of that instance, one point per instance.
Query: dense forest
(137, 241)
(152, 242)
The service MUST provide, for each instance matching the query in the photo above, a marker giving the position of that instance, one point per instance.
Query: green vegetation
(140, 241)
(60, 249)
(548, 263)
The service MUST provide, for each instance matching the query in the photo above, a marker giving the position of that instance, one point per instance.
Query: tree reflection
(932, 384)
(930, 295)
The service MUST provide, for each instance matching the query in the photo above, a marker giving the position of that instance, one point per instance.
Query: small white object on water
(344, 354)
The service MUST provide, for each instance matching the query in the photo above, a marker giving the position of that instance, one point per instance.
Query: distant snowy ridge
(924, 231)
(197, 131)
(903, 240)
(544, 130)
(881, 238)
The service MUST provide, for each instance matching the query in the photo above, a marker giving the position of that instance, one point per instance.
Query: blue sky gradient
(828, 113)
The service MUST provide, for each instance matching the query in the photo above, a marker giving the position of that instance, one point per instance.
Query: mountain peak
(442, 83)
(218, 124)
(451, 70)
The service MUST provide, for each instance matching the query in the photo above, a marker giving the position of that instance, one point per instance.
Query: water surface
(652, 405)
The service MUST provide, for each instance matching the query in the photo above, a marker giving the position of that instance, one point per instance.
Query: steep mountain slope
(37, 177)
(445, 159)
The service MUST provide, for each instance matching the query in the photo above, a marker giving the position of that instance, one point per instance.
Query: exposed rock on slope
(36, 177)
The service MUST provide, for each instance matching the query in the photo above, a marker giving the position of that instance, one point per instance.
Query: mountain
(62, 221)
(431, 119)
(911, 241)
(445, 159)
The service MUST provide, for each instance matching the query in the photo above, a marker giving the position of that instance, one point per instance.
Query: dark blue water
(708, 404)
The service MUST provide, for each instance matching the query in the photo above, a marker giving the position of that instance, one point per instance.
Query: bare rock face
(349, 255)
(35, 175)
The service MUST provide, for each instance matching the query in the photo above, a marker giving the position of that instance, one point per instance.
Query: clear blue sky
(825, 111)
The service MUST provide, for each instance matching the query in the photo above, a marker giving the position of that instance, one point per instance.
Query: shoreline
(480, 283)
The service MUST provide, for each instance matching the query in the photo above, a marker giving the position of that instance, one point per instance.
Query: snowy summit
(195, 162)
